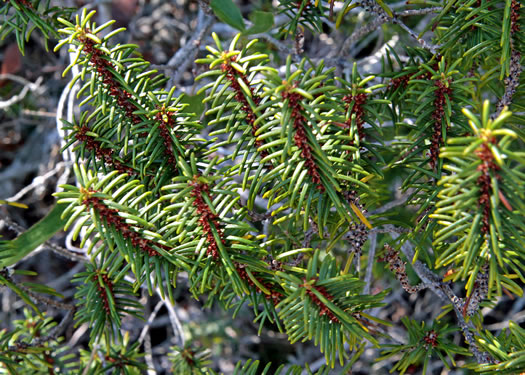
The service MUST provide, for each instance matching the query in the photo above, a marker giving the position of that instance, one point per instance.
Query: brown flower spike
(300, 139)
(207, 217)
(103, 68)
(274, 296)
(232, 75)
(166, 123)
(514, 16)
(123, 98)
(324, 310)
(102, 153)
(431, 338)
(484, 182)
(442, 92)
(357, 109)
(111, 217)
(103, 292)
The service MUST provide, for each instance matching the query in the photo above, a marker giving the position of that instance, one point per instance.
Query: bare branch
(152, 316)
(174, 319)
(481, 357)
(383, 18)
(418, 12)
(511, 82)
(37, 297)
(28, 87)
(431, 47)
(185, 55)
(38, 181)
(372, 237)
(444, 291)
(18, 229)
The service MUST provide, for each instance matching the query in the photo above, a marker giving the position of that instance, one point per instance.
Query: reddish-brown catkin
(25, 3)
(441, 93)
(431, 338)
(103, 68)
(324, 310)
(111, 216)
(188, 354)
(102, 153)
(300, 139)
(207, 218)
(484, 182)
(306, 7)
(514, 16)
(232, 75)
(166, 123)
(103, 291)
(399, 81)
(359, 111)
(274, 296)
(124, 98)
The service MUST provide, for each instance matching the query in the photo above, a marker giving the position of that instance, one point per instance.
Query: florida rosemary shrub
(281, 222)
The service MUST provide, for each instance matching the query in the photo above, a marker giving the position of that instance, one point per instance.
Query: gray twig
(148, 355)
(38, 181)
(28, 86)
(65, 253)
(187, 53)
(389, 229)
(372, 237)
(382, 18)
(57, 331)
(151, 317)
(390, 205)
(481, 357)
(359, 33)
(429, 46)
(94, 352)
(418, 12)
(444, 291)
(37, 297)
(18, 229)
(511, 82)
(282, 47)
(175, 321)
